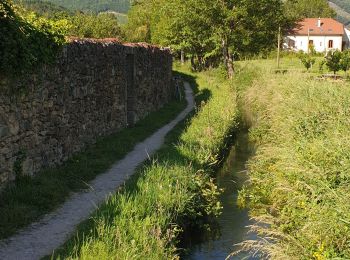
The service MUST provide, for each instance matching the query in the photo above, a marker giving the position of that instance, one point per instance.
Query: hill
(41, 7)
(120, 6)
(342, 7)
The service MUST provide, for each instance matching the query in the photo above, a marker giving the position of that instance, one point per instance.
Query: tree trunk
(193, 65)
(227, 59)
(182, 57)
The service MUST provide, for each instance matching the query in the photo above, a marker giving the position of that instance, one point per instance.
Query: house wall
(94, 89)
(346, 38)
(320, 43)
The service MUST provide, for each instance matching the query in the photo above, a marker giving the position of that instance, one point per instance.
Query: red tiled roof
(328, 26)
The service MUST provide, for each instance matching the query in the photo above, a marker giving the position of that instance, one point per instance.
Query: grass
(30, 198)
(300, 176)
(291, 62)
(169, 193)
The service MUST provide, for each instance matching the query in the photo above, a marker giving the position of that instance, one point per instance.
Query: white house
(323, 34)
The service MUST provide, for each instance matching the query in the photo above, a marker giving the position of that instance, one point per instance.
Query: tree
(333, 61)
(345, 61)
(298, 9)
(94, 26)
(208, 30)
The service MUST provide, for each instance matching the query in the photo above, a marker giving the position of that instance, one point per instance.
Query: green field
(300, 175)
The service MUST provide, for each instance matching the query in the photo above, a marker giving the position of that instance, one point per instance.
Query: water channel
(232, 224)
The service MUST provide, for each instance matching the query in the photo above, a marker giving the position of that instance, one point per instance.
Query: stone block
(4, 131)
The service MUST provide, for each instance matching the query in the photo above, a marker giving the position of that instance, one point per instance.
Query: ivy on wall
(26, 40)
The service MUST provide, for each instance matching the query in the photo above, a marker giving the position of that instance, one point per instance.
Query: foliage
(299, 9)
(79, 24)
(345, 60)
(344, 4)
(144, 220)
(94, 26)
(343, 14)
(307, 60)
(333, 59)
(94, 6)
(25, 41)
(42, 8)
(31, 198)
(208, 31)
(300, 174)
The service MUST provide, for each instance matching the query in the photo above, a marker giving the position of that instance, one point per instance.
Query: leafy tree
(345, 61)
(299, 9)
(208, 30)
(94, 26)
(333, 59)
(141, 16)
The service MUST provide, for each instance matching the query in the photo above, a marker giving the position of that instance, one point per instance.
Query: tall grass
(175, 191)
(300, 175)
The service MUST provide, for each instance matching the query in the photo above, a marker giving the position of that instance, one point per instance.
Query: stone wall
(95, 88)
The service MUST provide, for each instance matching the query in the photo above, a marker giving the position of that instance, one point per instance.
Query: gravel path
(44, 236)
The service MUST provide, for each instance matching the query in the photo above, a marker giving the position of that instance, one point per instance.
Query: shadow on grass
(203, 95)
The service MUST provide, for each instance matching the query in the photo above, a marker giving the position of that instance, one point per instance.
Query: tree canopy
(208, 30)
(309, 9)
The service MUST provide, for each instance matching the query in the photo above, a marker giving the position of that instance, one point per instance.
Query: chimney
(319, 23)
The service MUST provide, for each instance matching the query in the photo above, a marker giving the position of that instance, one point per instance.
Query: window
(311, 42)
(320, 44)
(330, 44)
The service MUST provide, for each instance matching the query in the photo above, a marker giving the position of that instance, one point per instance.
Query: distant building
(323, 34)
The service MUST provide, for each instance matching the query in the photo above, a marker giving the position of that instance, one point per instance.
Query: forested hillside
(121, 6)
(342, 7)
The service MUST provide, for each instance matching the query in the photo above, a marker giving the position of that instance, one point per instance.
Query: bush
(333, 59)
(307, 60)
(345, 61)
(25, 43)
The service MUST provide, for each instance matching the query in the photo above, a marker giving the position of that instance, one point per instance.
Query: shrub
(307, 60)
(333, 59)
(345, 61)
(25, 43)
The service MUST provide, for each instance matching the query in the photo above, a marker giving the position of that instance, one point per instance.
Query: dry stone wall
(95, 88)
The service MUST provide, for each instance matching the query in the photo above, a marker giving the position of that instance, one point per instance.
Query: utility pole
(308, 40)
(279, 47)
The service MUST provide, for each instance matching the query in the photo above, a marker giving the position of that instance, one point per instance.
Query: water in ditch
(232, 224)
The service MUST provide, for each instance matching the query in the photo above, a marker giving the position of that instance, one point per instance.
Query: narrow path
(41, 238)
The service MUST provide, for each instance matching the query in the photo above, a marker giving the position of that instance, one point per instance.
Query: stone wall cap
(94, 40)
(118, 41)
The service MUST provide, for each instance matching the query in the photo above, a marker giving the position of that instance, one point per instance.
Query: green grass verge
(169, 194)
(300, 176)
(30, 198)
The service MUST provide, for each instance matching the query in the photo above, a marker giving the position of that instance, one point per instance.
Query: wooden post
(308, 40)
(279, 47)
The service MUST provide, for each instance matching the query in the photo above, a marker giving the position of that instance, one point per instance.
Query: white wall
(346, 38)
(320, 42)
